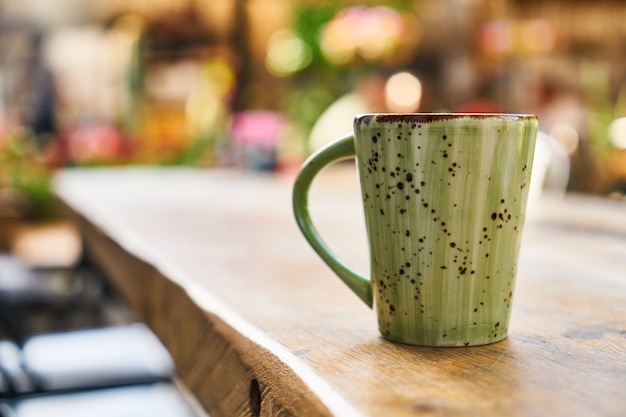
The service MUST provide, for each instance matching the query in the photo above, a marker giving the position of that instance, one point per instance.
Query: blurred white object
(337, 120)
(551, 169)
(21, 283)
(11, 368)
(157, 400)
(96, 357)
(566, 135)
(617, 132)
(368, 96)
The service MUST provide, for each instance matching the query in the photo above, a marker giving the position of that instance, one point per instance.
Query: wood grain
(216, 266)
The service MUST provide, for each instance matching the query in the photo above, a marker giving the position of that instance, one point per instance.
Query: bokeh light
(403, 92)
(287, 54)
(617, 133)
(375, 34)
(220, 76)
(538, 35)
(503, 37)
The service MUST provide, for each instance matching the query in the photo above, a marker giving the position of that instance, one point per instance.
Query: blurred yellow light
(132, 24)
(336, 42)
(203, 110)
(518, 37)
(403, 92)
(219, 75)
(287, 54)
(537, 35)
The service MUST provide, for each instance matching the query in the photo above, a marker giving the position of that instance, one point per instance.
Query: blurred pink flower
(97, 142)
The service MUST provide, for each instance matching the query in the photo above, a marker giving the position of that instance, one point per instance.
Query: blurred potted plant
(32, 228)
(25, 176)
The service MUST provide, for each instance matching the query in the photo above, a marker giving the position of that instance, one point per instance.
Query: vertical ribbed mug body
(444, 198)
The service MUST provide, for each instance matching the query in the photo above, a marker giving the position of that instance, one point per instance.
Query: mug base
(443, 342)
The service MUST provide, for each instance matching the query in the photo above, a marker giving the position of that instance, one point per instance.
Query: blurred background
(259, 84)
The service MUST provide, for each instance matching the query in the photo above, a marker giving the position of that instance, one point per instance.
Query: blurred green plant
(317, 86)
(24, 172)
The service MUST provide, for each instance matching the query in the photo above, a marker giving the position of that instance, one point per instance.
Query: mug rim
(366, 118)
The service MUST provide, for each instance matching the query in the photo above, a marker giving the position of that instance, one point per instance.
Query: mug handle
(342, 148)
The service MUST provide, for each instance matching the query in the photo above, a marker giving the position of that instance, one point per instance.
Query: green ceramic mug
(444, 198)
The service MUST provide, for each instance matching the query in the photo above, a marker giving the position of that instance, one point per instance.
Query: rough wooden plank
(211, 256)
(221, 365)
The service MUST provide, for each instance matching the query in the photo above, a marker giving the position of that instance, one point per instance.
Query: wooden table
(258, 325)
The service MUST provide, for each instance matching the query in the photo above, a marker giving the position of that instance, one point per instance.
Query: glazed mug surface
(444, 197)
